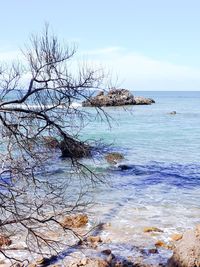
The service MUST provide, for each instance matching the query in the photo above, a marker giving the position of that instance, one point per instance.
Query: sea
(161, 186)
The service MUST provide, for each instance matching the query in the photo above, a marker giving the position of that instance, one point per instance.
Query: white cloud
(139, 72)
(133, 70)
(9, 56)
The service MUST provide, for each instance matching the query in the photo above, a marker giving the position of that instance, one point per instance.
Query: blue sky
(148, 44)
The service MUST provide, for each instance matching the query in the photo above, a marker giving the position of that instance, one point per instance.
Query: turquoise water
(161, 188)
(150, 133)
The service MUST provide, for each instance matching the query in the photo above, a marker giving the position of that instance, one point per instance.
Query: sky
(146, 44)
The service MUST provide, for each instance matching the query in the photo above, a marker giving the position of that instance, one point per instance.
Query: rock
(50, 142)
(94, 239)
(116, 97)
(162, 244)
(152, 251)
(5, 241)
(75, 221)
(187, 250)
(100, 93)
(172, 113)
(72, 148)
(94, 263)
(84, 261)
(176, 237)
(152, 229)
(106, 251)
(114, 157)
(147, 251)
(139, 100)
(124, 167)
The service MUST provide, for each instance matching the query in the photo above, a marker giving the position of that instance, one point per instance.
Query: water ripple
(178, 175)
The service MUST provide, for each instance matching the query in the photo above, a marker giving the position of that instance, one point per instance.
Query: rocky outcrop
(187, 250)
(139, 100)
(116, 97)
(72, 148)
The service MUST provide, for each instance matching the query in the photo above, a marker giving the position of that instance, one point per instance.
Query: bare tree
(36, 119)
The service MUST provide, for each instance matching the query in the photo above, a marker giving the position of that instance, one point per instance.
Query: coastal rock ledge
(116, 97)
(187, 250)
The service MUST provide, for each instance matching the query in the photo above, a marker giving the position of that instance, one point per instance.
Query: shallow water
(162, 186)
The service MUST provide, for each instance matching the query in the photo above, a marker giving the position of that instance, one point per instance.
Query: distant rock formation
(116, 97)
(139, 100)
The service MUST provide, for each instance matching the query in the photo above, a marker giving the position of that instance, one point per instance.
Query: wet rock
(94, 239)
(89, 262)
(147, 251)
(116, 97)
(106, 251)
(110, 258)
(176, 237)
(139, 100)
(152, 251)
(42, 261)
(5, 241)
(124, 167)
(114, 157)
(162, 244)
(75, 221)
(152, 229)
(187, 250)
(72, 148)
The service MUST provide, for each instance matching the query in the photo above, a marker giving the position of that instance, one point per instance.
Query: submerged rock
(152, 229)
(114, 157)
(116, 97)
(124, 167)
(75, 221)
(187, 250)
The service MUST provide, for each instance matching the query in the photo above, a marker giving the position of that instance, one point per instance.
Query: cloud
(133, 70)
(140, 72)
(9, 56)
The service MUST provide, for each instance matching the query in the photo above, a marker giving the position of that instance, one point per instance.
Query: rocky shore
(94, 250)
(116, 97)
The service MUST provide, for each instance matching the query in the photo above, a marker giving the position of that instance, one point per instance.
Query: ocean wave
(73, 105)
